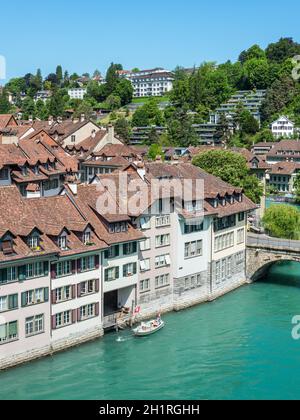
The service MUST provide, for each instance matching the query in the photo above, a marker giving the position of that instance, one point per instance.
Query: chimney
(111, 133)
(50, 120)
(59, 120)
(75, 120)
(82, 117)
(73, 187)
(93, 135)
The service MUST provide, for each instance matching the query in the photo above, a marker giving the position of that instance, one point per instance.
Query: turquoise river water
(238, 347)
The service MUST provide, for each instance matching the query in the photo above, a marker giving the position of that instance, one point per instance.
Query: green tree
(5, 106)
(124, 90)
(148, 114)
(285, 48)
(257, 73)
(59, 74)
(113, 102)
(278, 96)
(41, 110)
(112, 77)
(232, 168)
(28, 108)
(282, 222)
(85, 108)
(254, 52)
(57, 104)
(155, 150)
(123, 129)
(297, 188)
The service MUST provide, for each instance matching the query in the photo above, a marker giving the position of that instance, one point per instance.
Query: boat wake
(123, 340)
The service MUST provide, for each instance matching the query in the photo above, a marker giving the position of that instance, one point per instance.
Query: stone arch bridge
(263, 251)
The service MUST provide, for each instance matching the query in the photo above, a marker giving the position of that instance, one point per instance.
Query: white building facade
(283, 128)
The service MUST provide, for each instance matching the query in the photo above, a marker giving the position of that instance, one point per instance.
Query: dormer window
(223, 201)
(7, 247)
(63, 242)
(24, 171)
(34, 242)
(118, 227)
(4, 174)
(36, 170)
(86, 239)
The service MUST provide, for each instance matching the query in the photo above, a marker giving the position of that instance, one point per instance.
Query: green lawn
(145, 99)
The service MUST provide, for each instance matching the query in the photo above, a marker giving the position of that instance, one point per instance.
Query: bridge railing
(263, 241)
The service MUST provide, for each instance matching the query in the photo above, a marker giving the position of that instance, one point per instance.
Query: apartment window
(88, 263)
(35, 270)
(162, 240)
(88, 312)
(193, 249)
(145, 265)
(240, 258)
(225, 223)
(63, 268)
(145, 286)
(163, 221)
(8, 275)
(218, 272)
(112, 274)
(162, 261)
(62, 319)
(223, 242)
(130, 248)
(73, 139)
(88, 288)
(240, 236)
(162, 281)
(145, 245)
(63, 294)
(241, 217)
(35, 297)
(229, 267)
(34, 325)
(62, 242)
(8, 303)
(8, 332)
(145, 223)
(193, 228)
(112, 252)
(129, 270)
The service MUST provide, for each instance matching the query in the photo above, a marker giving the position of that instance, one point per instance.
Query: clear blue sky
(85, 35)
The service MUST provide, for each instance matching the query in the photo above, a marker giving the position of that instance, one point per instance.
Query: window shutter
(125, 249)
(53, 271)
(46, 268)
(12, 302)
(46, 294)
(79, 266)
(53, 297)
(97, 307)
(134, 268)
(73, 267)
(117, 272)
(78, 315)
(106, 275)
(117, 250)
(134, 247)
(23, 300)
(124, 270)
(106, 254)
(74, 316)
(53, 322)
(21, 273)
(97, 285)
(73, 291)
(79, 290)
(97, 260)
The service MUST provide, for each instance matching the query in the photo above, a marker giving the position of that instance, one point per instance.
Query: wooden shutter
(79, 290)
(46, 294)
(23, 300)
(78, 315)
(53, 271)
(79, 266)
(53, 322)
(73, 266)
(74, 316)
(97, 309)
(46, 268)
(97, 283)
(134, 268)
(74, 291)
(97, 262)
(53, 297)
(117, 272)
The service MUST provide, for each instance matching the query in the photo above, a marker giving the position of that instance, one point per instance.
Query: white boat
(148, 328)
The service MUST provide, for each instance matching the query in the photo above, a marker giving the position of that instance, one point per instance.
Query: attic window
(34, 242)
(24, 171)
(4, 174)
(62, 242)
(86, 239)
(7, 247)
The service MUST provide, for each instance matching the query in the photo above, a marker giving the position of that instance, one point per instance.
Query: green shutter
(46, 268)
(134, 247)
(117, 250)
(22, 273)
(117, 272)
(46, 294)
(124, 270)
(106, 275)
(13, 328)
(106, 255)
(23, 300)
(3, 275)
(134, 268)
(12, 302)
(125, 249)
